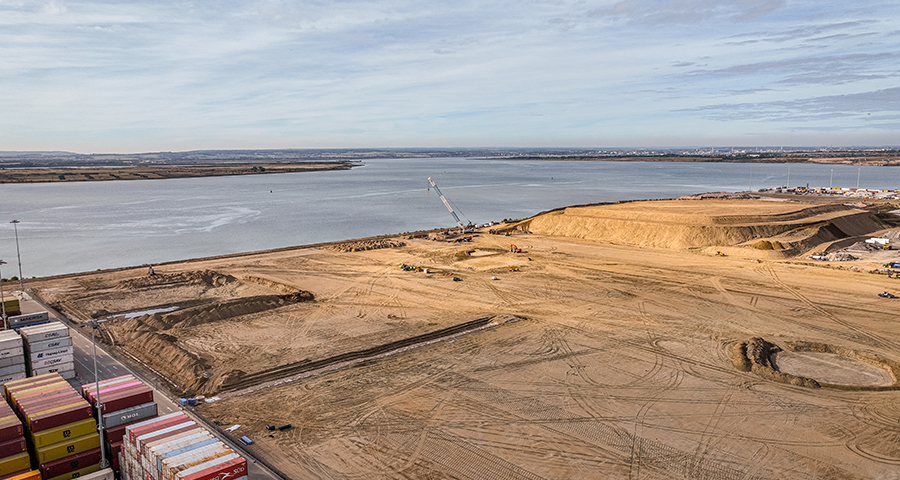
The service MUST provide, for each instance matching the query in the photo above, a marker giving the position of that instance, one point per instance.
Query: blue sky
(118, 76)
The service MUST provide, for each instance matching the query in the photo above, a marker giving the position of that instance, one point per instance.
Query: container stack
(48, 349)
(12, 357)
(174, 447)
(129, 410)
(14, 458)
(59, 426)
(29, 319)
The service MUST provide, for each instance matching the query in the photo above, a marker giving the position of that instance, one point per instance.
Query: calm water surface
(73, 227)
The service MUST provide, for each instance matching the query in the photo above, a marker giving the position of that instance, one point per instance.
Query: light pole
(857, 177)
(95, 324)
(18, 255)
(3, 299)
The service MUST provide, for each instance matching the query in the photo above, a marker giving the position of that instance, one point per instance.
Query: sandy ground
(618, 365)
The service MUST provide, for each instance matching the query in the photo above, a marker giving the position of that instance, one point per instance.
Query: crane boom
(446, 204)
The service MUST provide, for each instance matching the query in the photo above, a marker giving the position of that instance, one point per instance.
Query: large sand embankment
(684, 224)
(620, 365)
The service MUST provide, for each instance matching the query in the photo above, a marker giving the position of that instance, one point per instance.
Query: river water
(74, 227)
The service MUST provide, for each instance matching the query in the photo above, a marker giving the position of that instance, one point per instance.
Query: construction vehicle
(887, 295)
(515, 249)
(462, 228)
(720, 254)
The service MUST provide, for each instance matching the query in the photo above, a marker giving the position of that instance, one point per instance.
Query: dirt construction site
(664, 339)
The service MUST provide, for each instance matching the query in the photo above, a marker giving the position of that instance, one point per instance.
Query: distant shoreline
(53, 168)
(94, 173)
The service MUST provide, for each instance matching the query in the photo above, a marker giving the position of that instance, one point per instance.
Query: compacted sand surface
(591, 359)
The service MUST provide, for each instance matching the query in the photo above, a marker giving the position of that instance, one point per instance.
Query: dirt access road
(617, 363)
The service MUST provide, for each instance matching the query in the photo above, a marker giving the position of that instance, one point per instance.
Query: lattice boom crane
(447, 204)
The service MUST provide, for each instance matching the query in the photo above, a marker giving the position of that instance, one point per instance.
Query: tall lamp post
(18, 255)
(3, 299)
(95, 324)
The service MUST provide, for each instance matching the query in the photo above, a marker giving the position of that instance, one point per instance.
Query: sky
(120, 76)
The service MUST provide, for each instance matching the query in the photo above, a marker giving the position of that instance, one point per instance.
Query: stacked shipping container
(174, 447)
(12, 357)
(11, 306)
(14, 459)
(129, 396)
(59, 426)
(48, 349)
(29, 319)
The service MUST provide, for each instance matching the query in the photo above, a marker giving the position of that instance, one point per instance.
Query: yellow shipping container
(78, 473)
(69, 447)
(15, 463)
(12, 304)
(63, 433)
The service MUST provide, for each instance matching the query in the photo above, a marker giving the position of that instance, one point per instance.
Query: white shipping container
(12, 369)
(47, 331)
(53, 361)
(204, 466)
(65, 367)
(7, 341)
(157, 454)
(184, 461)
(146, 447)
(50, 344)
(50, 353)
(11, 377)
(195, 444)
(12, 352)
(164, 450)
(105, 474)
(7, 361)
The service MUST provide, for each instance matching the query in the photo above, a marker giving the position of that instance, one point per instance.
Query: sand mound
(208, 278)
(363, 245)
(682, 224)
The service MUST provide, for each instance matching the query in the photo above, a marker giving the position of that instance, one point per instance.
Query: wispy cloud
(101, 75)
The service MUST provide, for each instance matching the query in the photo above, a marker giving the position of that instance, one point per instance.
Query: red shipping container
(11, 429)
(93, 385)
(23, 404)
(71, 463)
(231, 469)
(92, 394)
(30, 389)
(129, 397)
(12, 447)
(38, 404)
(168, 422)
(45, 421)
